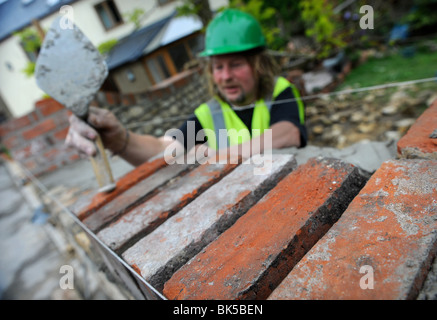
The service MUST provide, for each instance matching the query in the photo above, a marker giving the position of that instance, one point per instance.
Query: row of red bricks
(311, 232)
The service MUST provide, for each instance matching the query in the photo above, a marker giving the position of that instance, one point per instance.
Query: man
(247, 100)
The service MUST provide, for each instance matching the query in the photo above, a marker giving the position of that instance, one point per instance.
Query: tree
(322, 26)
(135, 16)
(266, 16)
(198, 8)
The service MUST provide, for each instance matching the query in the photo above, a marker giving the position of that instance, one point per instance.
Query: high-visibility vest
(216, 115)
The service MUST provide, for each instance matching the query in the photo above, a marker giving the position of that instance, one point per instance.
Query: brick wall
(319, 230)
(36, 140)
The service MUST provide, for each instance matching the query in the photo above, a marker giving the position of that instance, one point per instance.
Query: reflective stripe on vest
(224, 128)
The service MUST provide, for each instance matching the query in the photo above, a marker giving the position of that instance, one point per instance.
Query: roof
(18, 14)
(151, 37)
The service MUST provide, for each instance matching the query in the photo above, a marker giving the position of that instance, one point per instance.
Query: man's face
(234, 78)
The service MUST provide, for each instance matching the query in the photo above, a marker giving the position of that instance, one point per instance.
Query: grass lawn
(392, 68)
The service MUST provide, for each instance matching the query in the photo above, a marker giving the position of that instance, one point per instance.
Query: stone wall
(164, 107)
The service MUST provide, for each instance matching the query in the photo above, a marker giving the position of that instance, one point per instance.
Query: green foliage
(265, 16)
(105, 47)
(29, 70)
(322, 26)
(188, 8)
(135, 17)
(289, 17)
(5, 150)
(423, 14)
(393, 67)
(31, 43)
(30, 39)
(199, 8)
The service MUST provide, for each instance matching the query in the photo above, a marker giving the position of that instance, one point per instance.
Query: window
(179, 56)
(197, 44)
(31, 42)
(158, 68)
(109, 14)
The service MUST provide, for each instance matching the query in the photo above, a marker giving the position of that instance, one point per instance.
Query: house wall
(141, 82)
(144, 79)
(18, 91)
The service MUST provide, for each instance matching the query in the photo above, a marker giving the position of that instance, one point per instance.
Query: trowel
(71, 70)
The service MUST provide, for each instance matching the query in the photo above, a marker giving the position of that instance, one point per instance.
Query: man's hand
(81, 134)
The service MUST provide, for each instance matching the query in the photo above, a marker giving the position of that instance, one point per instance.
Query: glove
(100, 121)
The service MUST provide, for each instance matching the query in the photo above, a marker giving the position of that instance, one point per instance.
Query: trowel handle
(101, 167)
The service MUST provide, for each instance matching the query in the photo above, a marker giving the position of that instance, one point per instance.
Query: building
(143, 56)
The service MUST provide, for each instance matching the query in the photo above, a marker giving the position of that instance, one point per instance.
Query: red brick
(158, 255)
(417, 143)
(260, 249)
(389, 227)
(133, 196)
(51, 154)
(14, 125)
(93, 201)
(32, 148)
(110, 98)
(148, 216)
(41, 128)
(30, 164)
(61, 134)
(12, 142)
(48, 106)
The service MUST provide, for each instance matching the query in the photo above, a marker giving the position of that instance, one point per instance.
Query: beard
(240, 100)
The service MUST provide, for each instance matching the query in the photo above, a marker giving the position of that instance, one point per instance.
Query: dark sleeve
(285, 108)
(188, 132)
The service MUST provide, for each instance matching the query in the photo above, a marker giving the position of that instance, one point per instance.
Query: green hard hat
(232, 31)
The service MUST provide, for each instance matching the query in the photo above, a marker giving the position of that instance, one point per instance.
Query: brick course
(259, 250)
(146, 217)
(90, 203)
(133, 196)
(417, 143)
(166, 249)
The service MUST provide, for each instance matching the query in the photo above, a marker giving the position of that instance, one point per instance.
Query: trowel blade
(69, 68)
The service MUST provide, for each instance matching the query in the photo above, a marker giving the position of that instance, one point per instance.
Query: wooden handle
(101, 167)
